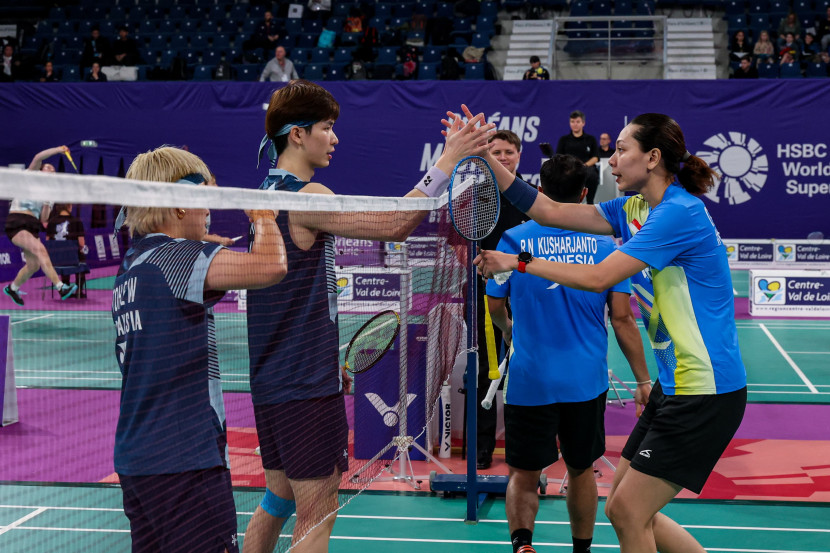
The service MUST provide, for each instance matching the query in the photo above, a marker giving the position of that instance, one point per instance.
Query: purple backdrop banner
(769, 139)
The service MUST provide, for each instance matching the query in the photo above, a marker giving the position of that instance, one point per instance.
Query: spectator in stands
(62, 225)
(746, 70)
(49, 75)
(11, 64)
(809, 47)
(605, 150)
(451, 65)
(353, 23)
(583, 147)
(125, 51)
(280, 68)
(95, 75)
(789, 24)
(787, 58)
(739, 48)
(823, 30)
(96, 48)
(764, 48)
(536, 71)
(265, 36)
(791, 46)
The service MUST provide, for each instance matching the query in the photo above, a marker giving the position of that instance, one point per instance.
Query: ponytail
(696, 176)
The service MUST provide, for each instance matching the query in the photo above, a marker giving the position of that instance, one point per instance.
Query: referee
(583, 147)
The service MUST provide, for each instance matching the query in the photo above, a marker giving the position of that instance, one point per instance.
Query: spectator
(11, 65)
(605, 150)
(96, 48)
(95, 75)
(62, 225)
(789, 24)
(49, 75)
(809, 47)
(279, 68)
(354, 23)
(265, 36)
(763, 49)
(584, 148)
(739, 48)
(791, 46)
(451, 65)
(125, 51)
(746, 70)
(787, 57)
(823, 30)
(536, 71)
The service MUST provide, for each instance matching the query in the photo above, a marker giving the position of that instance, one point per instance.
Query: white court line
(66, 378)
(21, 520)
(788, 359)
(41, 371)
(33, 319)
(811, 352)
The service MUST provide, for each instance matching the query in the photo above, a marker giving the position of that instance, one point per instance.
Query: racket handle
(487, 402)
(490, 337)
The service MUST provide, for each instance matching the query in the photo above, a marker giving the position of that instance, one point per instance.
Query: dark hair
(534, 59)
(576, 113)
(563, 177)
(659, 131)
(507, 136)
(299, 100)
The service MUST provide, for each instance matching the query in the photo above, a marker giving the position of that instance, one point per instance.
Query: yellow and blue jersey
(685, 294)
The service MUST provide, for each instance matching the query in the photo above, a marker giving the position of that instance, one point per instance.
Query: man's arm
(500, 317)
(628, 338)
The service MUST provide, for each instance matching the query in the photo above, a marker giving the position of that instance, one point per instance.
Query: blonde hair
(164, 164)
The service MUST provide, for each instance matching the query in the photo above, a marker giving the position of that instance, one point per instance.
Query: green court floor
(88, 519)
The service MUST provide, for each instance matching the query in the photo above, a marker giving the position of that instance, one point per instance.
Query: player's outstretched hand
(492, 261)
(468, 139)
(347, 379)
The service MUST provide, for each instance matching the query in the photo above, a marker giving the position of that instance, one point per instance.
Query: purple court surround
(68, 435)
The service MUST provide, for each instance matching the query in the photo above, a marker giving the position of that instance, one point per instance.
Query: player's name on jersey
(778, 252)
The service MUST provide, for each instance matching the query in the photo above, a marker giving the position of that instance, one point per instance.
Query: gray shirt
(274, 72)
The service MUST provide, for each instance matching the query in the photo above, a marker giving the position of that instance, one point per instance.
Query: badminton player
(698, 402)
(23, 227)
(558, 377)
(171, 451)
(293, 339)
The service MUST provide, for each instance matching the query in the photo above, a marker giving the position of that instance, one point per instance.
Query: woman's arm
(628, 338)
(265, 265)
(37, 161)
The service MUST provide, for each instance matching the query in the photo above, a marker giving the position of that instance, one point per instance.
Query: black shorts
(16, 222)
(530, 433)
(189, 511)
(307, 438)
(681, 438)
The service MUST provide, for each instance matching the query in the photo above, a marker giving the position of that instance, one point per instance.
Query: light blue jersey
(28, 205)
(560, 335)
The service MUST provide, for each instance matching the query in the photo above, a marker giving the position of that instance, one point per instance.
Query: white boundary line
(788, 359)
(21, 520)
(33, 319)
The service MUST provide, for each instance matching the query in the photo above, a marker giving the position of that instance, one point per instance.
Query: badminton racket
(487, 402)
(69, 157)
(372, 341)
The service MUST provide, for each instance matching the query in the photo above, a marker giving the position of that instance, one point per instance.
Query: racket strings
(372, 341)
(475, 204)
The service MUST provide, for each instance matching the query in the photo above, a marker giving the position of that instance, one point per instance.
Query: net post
(403, 377)
(472, 391)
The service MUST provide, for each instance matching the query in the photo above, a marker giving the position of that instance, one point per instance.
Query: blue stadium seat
(601, 7)
(736, 22)
(444, 9)
(758, 22)
(474, 72)
(402, 9)
(71, 73)
(189, 26)
(166, 57)
(817, 70)
(768, 70)
(427, 7)
(486, 24)
(580, 8)
(312, 26)
(387, 56)
(644, 7)
(335, 23)
(300, 54)
(350, 39)
(217, 12)
(779, 7)
(335, 73)
(489, 9)
(178, 42)
(433, 54)
(343, 55)
(378, 23)
(307, 40)
(117, 14)
(157, 41)
(428, 71)
(221, 41)
(211, 57)
(190, 57)
(807, 21)
(247, 72)
(480, 40)
(177, 12)
(320, 55)
(791, 71)
(341, 9)
(199, 41)
(149, 55)
(803, 7)
(734, 7)
(758, 6)
(623, 7)
(383, 9)
(202, 73)
(314, 72)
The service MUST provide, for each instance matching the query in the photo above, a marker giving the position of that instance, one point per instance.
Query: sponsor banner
(791, 293)
(353, 251)
(778, 253)
(369, 290)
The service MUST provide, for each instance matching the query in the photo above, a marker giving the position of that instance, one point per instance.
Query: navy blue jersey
(172, 416)
(292, 326)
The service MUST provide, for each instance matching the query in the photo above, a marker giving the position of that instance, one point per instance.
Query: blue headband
(192, 178)
(272, 151)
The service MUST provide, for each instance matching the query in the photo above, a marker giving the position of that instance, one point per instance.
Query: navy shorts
(681, 438)
(17, 222)
(306, 438)
(188, 511)
(530, 433)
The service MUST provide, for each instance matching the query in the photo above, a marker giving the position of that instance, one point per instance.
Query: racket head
(371, 341)
(474, 198)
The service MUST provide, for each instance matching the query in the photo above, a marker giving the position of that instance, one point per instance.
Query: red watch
(524, 259)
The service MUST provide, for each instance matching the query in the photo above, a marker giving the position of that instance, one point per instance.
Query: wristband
(434, 183)
(521, 194)
(643, 382)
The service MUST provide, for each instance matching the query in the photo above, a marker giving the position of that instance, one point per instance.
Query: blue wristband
(521, 194)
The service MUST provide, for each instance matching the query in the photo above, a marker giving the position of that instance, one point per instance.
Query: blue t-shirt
(293, 338)
(692, 290)
(560, 335)
(172, 416)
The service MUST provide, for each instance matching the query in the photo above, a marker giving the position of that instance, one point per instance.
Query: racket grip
(490, 339)
(487, 402)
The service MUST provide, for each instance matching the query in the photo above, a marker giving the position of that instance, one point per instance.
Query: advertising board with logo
(790, 293)
(775, 253)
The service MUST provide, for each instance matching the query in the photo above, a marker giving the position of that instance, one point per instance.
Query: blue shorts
(306, 438)
(188, 511)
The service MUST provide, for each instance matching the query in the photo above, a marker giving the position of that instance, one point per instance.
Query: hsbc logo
(741, 163)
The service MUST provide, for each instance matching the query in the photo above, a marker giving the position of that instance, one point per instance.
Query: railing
(634, 38)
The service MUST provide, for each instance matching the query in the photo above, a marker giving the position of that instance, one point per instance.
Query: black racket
(474, 198)
(372, 341)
